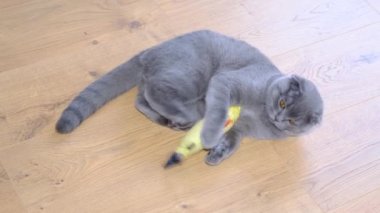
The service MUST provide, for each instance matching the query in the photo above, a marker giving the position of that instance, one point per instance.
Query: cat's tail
(117, 81)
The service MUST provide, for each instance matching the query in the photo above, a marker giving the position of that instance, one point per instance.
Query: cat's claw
(220, 152)
(212, 159)
(216, 155)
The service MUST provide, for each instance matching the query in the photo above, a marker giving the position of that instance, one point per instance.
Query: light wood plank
(38, 29)
(116, 175)
(367, 204)
(40, 97)
(341, 161)
(50, 50)
(267, 25)
(185, 16)
(9, 201)
(340, 73)
(304, 22)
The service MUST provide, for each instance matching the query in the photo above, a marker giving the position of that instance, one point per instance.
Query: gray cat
(199, 75)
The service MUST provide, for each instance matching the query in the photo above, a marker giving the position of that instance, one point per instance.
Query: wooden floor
(51, 49)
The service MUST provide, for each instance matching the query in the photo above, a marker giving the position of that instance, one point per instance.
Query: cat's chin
(283, 129)
(290, 134)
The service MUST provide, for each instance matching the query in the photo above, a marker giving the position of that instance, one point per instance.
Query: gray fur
(119, 80)
(201, 74)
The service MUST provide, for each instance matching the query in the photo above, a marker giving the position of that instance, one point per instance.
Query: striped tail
(119, 80)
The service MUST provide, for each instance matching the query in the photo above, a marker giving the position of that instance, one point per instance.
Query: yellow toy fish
(191, 143)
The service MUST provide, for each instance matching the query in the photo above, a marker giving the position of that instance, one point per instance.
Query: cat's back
(191, 48)
(228, 52)
(199, 42)
(206, 51)
(210, 41)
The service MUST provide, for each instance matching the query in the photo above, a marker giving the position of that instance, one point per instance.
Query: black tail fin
(119, 80)
(175, 159)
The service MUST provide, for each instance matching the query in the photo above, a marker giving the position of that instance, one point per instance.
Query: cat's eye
(282, 104)
(292, 122)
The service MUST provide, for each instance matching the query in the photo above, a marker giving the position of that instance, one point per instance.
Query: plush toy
(191, 143)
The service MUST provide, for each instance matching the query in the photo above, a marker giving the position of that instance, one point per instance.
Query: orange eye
(282, 104)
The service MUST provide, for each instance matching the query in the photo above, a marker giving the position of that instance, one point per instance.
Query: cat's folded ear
(295, 83)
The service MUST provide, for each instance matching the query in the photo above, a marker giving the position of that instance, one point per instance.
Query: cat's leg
(227, 145)
(143, 106)
(217, 103)
(179, 107)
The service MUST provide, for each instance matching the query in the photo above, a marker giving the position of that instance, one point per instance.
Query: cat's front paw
(214, 158)
(216, 155)
(220, 152)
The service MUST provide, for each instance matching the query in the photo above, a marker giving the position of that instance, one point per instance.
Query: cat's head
(294, 105)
